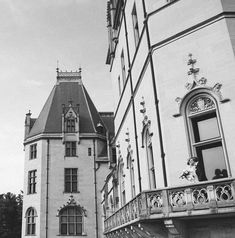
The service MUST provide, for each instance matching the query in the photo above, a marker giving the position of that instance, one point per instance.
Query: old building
(172, 65)
(66, 162)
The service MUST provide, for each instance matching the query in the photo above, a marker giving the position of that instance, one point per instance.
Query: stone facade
(53, 190)
(177, 53)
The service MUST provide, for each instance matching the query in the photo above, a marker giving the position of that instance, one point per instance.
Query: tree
(10, 215)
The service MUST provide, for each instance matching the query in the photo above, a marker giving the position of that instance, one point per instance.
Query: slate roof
(50, 118)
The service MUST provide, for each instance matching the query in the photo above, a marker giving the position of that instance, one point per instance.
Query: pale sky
(34, 34)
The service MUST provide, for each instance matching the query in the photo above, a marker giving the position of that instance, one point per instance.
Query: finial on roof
(57, 66)
(29, 113)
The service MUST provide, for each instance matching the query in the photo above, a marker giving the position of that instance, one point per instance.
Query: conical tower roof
(68, 90)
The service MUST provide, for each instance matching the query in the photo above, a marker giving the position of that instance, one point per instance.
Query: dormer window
(70, 119)
(70, 125)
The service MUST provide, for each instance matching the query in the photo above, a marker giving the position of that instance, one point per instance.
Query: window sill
(71, 192)
(72, 156)
(31, 193)
(83, 234)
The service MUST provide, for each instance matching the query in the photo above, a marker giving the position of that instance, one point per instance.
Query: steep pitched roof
(69, 88)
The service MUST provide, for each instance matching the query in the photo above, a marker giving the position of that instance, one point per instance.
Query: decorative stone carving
(200, 196)
(201, 104)
(155, 201)
(224, 193)
(146, 122)
(199, 83)
(177, 199)
(72, 203)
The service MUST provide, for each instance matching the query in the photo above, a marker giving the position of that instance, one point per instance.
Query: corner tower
(66, 162)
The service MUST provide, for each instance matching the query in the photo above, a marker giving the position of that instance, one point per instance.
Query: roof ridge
(85, 96)
(46, 104)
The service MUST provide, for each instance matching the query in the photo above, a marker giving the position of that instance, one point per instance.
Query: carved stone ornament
(146, 122)
(200, 83)
(71, 203)
(129, 150)
(120, 159)
(201, 104)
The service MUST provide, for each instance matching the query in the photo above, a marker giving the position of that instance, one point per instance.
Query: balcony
(201, 199)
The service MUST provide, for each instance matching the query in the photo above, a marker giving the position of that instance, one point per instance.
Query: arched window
(132, 174)
(205, 136)
(122, 184)
(150, 160)
(71, 221)
(31, 221)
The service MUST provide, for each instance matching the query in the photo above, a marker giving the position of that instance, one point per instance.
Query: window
(150, 160)
(123, 68)
(119, 86)
(135, 26)
(70, 125)
(71, 180)
(30, 221)
(89, 151)
(132, 174)
(71, 221)
(205, 136)
(33, 151)
(122, 185)
(70, 148)
(32, 181)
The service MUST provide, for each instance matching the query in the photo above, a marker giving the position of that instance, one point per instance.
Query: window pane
(71, 211)
(78, 219)
(78, 229)
(71, 229)
(78, 211)
(71, 219)
(74, 187)
(67, 171)
(64, 229)
(67, 187)
(213, 158)
(205, 127)
(208, 129)
(63, 219)
(74, 171)
(33, 229)
(28, 229)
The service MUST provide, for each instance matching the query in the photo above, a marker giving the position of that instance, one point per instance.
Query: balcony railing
(195, 199)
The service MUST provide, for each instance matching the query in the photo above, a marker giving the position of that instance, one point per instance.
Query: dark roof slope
(50, 118)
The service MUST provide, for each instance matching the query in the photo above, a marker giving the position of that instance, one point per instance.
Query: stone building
(66, 162)
(172, 66)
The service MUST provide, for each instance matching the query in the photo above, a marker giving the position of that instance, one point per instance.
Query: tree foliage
(10, 215)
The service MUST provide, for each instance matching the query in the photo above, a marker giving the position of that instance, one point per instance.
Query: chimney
(27, 124)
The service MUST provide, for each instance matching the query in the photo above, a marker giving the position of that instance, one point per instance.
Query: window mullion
(206, 142)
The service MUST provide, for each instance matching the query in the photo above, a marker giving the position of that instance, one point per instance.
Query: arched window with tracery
(205, 136)
(122, 183)
(71, 221)
(31, 221)
(130, 165)
(150, 158)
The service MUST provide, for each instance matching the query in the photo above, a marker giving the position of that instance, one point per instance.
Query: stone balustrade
(203, 198)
